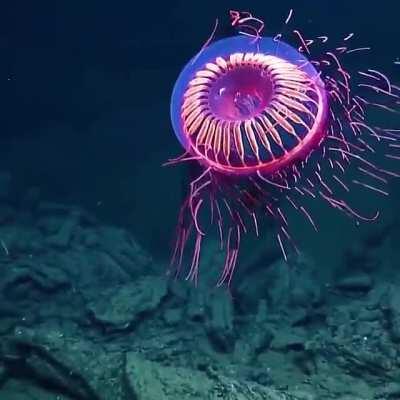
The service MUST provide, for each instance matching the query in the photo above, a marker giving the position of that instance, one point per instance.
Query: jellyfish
(271, 122)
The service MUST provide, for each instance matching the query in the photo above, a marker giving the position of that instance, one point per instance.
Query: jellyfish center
(240, 93)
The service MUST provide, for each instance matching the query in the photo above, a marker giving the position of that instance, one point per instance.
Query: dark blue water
(95, 80)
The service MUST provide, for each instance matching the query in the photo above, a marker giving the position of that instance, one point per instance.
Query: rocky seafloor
(87, 314)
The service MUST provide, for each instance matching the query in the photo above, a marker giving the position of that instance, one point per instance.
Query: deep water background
(85, 90)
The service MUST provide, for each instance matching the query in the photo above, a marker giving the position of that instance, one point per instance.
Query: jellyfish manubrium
(268, 123)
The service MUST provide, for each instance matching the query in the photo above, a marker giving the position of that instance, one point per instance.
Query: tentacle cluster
(260, 129)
